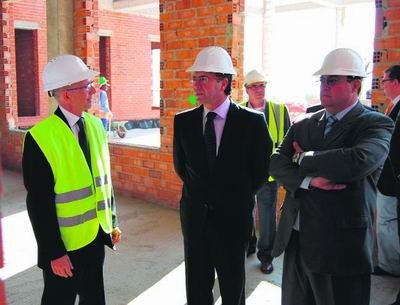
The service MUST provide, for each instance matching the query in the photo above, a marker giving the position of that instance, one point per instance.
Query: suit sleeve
(282, 168)
(178, 154)
(370, 149)
(261, 152)
(40, 202)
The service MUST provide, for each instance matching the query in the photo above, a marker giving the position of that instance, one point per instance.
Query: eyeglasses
(87, 87)
(256, 86)
(203, 79)
(383, 81)
(331, 81)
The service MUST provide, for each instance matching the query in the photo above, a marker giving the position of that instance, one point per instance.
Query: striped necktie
(330, 121)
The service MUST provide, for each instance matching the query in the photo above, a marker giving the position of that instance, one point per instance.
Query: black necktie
(210, 140)
(83, 141)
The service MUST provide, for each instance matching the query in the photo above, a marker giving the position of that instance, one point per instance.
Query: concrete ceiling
(150, 8)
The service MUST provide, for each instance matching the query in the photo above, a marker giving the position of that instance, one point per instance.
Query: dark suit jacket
(225, 198)
(391, 169)
(40, 201)
(335, 226)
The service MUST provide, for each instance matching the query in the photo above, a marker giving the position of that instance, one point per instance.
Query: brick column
(86, 25)
(6, 105)
(187, 26)
(387, 46)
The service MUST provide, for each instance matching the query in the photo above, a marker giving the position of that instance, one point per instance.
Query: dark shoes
(380, 272)
(251, 250)
(267, 267)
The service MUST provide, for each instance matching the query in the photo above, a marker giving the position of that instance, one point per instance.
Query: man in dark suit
(221, 155)
(278, 120)
(329, 163)
(66, 170)
(386, 202)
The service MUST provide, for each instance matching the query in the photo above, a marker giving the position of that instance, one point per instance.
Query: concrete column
(60, 29)
(340, 17)
(268, 28)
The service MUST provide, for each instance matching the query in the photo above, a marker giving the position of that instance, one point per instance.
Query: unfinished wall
(130, 38)
(386, 46)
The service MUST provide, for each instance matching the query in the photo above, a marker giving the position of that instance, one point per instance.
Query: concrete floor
(147, 267)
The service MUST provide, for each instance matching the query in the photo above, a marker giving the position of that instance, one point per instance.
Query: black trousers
(87, 279)
(208, 256)
(300, 286)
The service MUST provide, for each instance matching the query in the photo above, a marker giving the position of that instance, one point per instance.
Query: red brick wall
(130, 54)
(386, 45)
(37, 14)
(27, 84)
(11, 142)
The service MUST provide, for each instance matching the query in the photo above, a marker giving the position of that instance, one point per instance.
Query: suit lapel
(395, 111)
(345, 123)
(227, 132)
(316, 135)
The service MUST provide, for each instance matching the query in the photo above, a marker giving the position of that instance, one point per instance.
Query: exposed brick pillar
(86, 25)
(6, 106)
(5, 112)
(387, 46)
(186, 26)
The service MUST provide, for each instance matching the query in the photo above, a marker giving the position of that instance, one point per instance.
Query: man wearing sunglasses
(386, 204)
(329, 162)
(66, 170)
(221, 155)
(278, 120)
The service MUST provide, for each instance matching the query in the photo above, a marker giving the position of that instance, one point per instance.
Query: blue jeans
(105, 123)
(387, 233)
(266, 203)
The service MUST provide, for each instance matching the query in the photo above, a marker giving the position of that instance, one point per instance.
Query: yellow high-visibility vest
(276, 121)
(276, 124)
(82, 197)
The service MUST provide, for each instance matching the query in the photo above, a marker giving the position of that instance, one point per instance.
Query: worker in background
(277, 117)
(66, 171)
(105, 112)
(221, 172)
(329, 163)
(388, 245)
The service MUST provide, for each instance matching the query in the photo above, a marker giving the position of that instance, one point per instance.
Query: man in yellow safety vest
(278, 120)
(66, 169)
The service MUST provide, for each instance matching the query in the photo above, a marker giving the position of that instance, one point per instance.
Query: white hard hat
(213, 59)
(342, 61)
(254, 76)
(65, 70)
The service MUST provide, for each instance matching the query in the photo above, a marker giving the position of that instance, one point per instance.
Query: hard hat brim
(89, 74)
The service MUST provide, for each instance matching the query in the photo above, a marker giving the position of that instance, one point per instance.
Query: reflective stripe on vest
(82, 197)
(276, 121)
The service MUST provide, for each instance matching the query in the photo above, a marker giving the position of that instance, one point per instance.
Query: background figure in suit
(278, 121)
(66, 170)
(386, 201)
(221, 171)
(329, 163)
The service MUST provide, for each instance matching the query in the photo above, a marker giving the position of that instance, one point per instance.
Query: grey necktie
(330, 122)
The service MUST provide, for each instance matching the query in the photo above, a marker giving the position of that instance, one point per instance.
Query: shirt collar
(221, 110)
(342, 113)
(71, 118)
(262, 108)
(396, 100)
